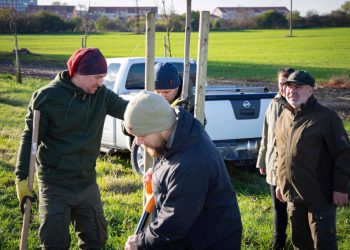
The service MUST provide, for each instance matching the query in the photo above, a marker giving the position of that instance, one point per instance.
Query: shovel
(28, 205)
(148, 208)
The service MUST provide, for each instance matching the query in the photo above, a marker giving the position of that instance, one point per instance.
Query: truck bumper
(238, 150)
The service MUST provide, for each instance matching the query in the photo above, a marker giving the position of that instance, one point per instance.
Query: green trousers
(313, 227)
(61, 206)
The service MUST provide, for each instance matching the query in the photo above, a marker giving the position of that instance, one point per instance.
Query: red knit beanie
(87, 61)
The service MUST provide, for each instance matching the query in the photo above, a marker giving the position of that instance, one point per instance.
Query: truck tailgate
(241, 115)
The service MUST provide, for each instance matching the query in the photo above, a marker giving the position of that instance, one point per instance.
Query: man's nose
(100, 82)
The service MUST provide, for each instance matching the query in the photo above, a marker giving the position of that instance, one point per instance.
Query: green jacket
(70, 132)
(267, 157)
(313, 154)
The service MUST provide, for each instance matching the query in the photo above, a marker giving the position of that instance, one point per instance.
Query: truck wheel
(137, 158)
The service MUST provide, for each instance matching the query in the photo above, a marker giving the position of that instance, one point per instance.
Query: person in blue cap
(167, 83)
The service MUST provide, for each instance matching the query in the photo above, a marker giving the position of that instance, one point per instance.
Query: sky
(320, 6)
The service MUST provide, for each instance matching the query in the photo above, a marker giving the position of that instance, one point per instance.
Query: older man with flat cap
(73, 108)
(196, 206)
(313, 167)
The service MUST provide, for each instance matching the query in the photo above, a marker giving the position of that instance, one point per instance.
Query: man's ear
(311, 91)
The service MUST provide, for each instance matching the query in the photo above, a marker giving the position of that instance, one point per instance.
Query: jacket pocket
(48, 158)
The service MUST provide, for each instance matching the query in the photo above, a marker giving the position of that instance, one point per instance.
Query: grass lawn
(250, 54)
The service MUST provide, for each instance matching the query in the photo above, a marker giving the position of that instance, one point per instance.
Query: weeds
(339, 81)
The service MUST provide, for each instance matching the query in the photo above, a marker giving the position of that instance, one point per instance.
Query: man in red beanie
(73, 108)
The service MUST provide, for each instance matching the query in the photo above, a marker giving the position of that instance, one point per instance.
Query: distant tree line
(275, 20)
(44, 21)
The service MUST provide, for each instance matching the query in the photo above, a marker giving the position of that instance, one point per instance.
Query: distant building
(64, 11)
(19, 5)
(69, 11)
(231, 13)
(119, 12)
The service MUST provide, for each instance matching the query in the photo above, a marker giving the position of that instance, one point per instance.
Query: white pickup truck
(234, 115)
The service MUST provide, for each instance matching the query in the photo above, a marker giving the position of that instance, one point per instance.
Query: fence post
(149, 69)
(202, 57)
(186, 71)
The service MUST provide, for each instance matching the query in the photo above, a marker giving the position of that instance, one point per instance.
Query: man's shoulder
(48, 89)
(325, 111)
(275, 103)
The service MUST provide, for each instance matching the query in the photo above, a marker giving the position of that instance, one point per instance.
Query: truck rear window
(136, 75)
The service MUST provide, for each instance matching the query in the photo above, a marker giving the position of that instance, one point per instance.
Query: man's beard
(156, 152)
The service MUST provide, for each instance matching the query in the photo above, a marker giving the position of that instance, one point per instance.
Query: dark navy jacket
(195, 201)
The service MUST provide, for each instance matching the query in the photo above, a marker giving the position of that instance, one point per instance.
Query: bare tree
(291, 19)
(13, 28)
(346, 7)
(137, 17)
(242, 18)
(87, 23)
(167, 15)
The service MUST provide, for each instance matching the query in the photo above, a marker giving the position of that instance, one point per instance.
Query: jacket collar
(304, 108)
(186, 133)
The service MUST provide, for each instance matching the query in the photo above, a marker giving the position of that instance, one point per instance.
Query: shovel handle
(28, 206)
(148, 208)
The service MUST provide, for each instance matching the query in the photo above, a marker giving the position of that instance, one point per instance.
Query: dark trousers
(60, 206)
(313, 227)
(280, 220)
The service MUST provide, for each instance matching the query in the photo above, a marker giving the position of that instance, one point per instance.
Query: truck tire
(137, 159)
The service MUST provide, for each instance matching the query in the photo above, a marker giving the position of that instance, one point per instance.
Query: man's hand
(262, 171)
(23, 192)
(131, 243)
(278, 194)
(147, 177)
(340, 199)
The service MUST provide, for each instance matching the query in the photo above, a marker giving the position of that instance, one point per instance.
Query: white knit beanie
(148, 113)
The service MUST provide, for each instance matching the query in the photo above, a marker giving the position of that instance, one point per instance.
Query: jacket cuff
(341, 183)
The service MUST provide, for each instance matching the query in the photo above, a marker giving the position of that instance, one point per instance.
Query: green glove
(181, 102)
(23, 193)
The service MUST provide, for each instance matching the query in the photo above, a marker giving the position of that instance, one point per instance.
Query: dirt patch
(33, 70)
(336, 97)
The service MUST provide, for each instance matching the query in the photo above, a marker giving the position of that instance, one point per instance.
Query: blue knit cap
(166, 76)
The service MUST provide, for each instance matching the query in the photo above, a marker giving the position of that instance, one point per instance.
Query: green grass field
(250, 54)
(232, 55)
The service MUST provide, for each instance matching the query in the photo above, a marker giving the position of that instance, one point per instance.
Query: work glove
(23, 193)
(181, 102)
